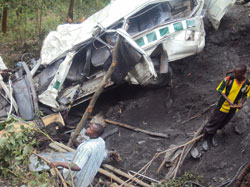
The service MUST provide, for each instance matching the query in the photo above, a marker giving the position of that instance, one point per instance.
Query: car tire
(162, 79)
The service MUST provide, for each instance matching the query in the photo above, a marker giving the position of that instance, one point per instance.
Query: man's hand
(76, 143)
(53, 165)
(240, 105)
(71, 166)
(233, 105)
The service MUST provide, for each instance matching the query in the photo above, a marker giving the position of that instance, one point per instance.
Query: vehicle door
(216, 9)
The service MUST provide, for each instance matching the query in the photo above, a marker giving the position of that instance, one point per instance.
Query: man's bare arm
(240, 105)
(71, 166)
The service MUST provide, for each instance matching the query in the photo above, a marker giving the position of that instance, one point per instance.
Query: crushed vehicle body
(75, 58)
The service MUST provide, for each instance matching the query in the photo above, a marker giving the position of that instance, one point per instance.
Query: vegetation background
(25, 23)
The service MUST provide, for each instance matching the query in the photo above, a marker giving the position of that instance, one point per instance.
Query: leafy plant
(29, 21)
(16, 147)
(179, 181)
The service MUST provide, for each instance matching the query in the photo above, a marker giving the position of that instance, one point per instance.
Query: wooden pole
(178, 164)
(165, 160)
(131, 127)
(199, 113)
(98, 92)
(114, 177)
(119, 172)
(65, 147)
(4, 17)
(57, 171)
(137, 129)
(70, 11)
(56, 147)
(187, 148)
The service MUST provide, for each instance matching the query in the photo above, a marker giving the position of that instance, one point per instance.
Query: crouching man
(87, 158)
(234, 90)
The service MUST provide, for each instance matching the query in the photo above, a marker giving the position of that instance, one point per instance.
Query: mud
(163, 110)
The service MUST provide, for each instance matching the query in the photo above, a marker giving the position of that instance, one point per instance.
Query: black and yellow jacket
(233, 90)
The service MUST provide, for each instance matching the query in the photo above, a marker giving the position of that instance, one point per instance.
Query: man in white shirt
(87, 159)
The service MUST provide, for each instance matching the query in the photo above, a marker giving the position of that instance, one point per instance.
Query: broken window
(159, 13)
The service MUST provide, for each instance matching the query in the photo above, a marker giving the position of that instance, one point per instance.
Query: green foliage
(179, 181)
(88, 7)
(29, 21)
(26, 17)
(8, 121)
(16, 148)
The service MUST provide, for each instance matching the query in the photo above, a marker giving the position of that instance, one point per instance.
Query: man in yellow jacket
(234, 91)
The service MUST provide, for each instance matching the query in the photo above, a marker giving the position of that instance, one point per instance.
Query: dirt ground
(163, 110)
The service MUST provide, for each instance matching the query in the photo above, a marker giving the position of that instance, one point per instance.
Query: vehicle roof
(57, 43)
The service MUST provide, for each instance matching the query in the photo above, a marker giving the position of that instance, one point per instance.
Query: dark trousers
(217, 121)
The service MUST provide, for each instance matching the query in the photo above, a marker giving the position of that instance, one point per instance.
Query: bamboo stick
(114, 177)
(57, 171)
(179, 162)
(119, 172)
(136, 129)
(187, 148)
(56, 147)
(65, 147)
(199, 113)
(96, 95)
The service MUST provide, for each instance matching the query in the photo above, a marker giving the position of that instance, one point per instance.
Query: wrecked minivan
(75, 58)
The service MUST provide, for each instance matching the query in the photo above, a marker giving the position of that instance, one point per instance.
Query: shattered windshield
(159, 13)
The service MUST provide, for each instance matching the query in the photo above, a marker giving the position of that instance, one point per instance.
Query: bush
(179, 181)
(29, 21)
(16, 148)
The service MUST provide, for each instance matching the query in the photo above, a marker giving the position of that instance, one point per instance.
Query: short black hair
(242, 67)
(99, 129)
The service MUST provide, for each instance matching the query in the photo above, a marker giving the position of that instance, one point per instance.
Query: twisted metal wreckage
(74, 58)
